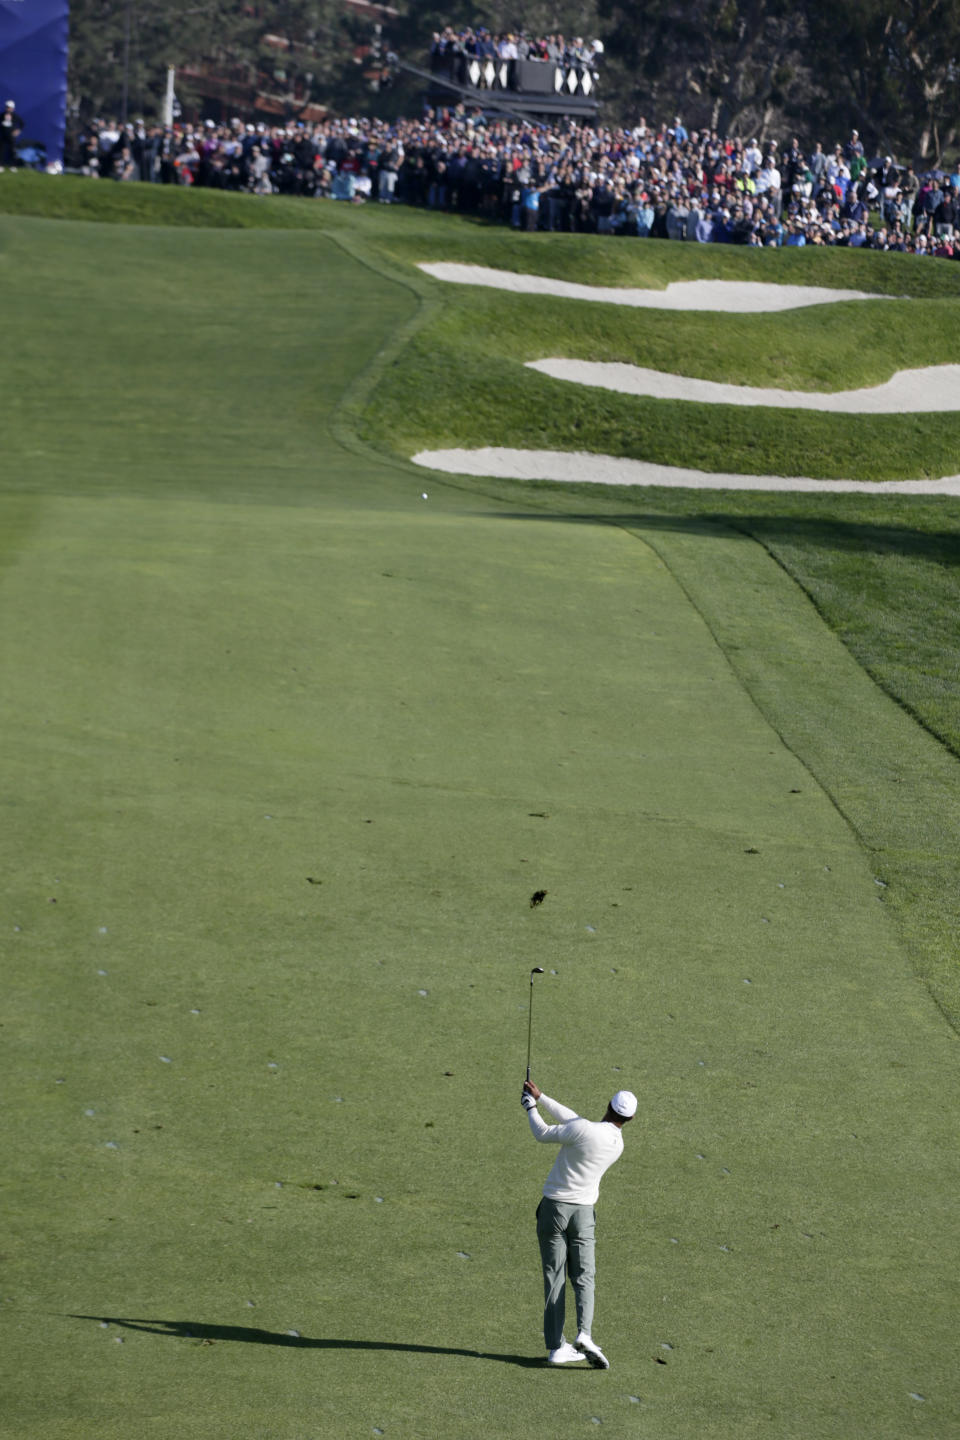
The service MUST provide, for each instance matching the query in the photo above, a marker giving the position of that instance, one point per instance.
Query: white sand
(909, 391)
(584, 469)
(732, 296)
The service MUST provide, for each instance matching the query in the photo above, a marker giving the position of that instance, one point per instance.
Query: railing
(519, 77)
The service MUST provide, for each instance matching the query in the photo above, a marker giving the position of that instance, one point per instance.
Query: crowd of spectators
(662, 181)
(482, 44)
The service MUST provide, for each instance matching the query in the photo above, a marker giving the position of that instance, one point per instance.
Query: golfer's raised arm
(556, 1109)
(548, 1134)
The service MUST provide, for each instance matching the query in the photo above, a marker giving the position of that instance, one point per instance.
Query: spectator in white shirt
(752, 158)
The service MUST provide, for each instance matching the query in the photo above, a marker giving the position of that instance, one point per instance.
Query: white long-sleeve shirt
(587, 1150)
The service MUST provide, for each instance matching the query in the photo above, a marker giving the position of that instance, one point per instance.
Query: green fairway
(287, 747)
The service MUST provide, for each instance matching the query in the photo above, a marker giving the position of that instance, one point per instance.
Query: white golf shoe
(592, 1352)
(564, 1355)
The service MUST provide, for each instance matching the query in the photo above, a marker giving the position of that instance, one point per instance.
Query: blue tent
(33, 68)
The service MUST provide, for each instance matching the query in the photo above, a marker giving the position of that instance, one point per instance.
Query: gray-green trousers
(566, 1234)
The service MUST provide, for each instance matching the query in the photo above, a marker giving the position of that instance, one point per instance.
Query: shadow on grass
(856, 535)
(249, 1335)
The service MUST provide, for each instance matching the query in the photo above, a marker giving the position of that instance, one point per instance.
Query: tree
(894, 63)
(292, 51)
(732, 65)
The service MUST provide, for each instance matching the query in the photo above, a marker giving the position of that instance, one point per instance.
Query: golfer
(566, 1217)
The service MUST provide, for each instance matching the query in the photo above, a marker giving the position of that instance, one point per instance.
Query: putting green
(289, 748)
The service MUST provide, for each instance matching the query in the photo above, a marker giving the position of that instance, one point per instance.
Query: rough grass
(607, 260)
(480, 339)
(833, 347)
(452, 394)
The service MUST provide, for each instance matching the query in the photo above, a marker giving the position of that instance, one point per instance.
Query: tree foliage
(898, 64)
(725, 64)
(293, 49)
(890, 68)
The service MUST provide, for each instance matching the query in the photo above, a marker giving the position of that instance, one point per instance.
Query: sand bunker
(909, 391)
(581, 468)
(731, 296)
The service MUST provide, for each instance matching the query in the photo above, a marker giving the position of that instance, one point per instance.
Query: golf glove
(527, 1101)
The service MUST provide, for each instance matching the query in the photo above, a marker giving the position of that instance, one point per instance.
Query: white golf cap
(624, 1103)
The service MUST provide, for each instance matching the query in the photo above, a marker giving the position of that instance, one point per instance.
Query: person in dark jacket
(946, 213)
(11, 125)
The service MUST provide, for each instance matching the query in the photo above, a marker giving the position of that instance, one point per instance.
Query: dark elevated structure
(535, 89)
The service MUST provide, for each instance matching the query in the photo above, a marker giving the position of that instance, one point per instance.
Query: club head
(537, 970)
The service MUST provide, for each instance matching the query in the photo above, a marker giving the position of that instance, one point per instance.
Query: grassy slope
(482, 339)
(820, 348)
(70, 197)
(409, 666)
(409, 236)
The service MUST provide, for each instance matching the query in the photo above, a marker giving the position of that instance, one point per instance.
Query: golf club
(537, 970)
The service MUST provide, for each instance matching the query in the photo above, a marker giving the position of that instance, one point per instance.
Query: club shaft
(530, 1027)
